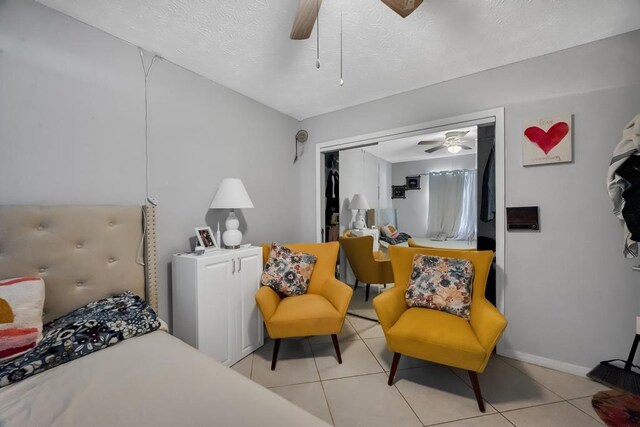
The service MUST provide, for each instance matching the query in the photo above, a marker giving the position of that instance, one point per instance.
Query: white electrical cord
(146, 72)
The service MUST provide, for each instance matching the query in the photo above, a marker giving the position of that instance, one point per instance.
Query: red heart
(549, 139)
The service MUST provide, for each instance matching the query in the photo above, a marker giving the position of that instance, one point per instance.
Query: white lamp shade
(231, 195)
(359, 202)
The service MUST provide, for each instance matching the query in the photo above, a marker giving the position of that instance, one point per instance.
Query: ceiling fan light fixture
(453, 149)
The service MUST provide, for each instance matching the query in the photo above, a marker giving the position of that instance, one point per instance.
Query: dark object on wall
(616, 376)
(631, 211)
(488, 244)
(523, 218)
(630, 171)
(488, 198)
(398, 192)
(413, 182)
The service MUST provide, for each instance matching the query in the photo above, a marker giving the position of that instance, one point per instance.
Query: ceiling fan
(307, 14)
(453, 142)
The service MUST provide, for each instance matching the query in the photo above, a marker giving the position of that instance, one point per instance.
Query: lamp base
(359, 223)
(232, 237)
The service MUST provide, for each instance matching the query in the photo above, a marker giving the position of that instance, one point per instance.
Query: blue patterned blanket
(91, 328)
(402, 237)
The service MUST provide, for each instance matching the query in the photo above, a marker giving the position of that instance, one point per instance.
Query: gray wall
(412, 211)
(570, 296)
(72, 131)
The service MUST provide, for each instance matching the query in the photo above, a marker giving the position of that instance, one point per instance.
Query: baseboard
(545, 362)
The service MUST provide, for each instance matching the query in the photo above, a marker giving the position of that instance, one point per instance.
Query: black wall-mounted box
(523, 218)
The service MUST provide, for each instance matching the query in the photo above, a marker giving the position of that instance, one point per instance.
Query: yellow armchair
(434, 335)
(368, 266)
(321, 311)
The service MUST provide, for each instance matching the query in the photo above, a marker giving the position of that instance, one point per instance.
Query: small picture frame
(205, 238)
(413, 182)
(398, 192)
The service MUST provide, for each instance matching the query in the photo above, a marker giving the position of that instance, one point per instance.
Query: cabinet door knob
(234, 266)
(239, 265)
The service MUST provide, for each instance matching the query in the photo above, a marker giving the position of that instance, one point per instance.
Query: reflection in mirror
(434, 190)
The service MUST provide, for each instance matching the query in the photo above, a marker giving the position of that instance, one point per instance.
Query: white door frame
(480, 117)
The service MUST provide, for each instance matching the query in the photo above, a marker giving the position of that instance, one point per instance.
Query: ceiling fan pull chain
(341, 80)
(317, 33)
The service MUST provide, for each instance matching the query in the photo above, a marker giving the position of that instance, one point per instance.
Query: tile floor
(356, 393)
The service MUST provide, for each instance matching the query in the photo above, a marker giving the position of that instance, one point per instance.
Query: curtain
(452, 205)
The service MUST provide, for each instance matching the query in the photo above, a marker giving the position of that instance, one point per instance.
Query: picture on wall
(398, 192)
(547, 141)
(413, 182)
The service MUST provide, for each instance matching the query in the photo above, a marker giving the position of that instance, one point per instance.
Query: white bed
(390, 216)
(151, 380)
(444, 244)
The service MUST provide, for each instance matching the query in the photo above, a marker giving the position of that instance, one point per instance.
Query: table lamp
(359, 203)
(231, 195)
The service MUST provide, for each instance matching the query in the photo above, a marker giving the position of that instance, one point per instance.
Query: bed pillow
(91, 328)
(288, 272)
(390, 231)
(441, 283)
(21, 302)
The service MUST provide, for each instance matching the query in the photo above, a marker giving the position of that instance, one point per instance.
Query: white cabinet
(214, 306)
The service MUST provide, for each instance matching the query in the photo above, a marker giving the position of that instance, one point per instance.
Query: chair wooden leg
(336, 346)
(276, 348)
(366, 297)
(394, 367)
(355, 286)
(473, 376)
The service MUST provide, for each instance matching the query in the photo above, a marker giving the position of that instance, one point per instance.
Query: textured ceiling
(244, 45)
(408, 150)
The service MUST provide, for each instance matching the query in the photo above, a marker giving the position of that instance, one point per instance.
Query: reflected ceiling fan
(453, 141)
(308, 10)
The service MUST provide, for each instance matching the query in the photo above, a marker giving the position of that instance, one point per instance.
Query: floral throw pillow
(441, 284)
(288, 272)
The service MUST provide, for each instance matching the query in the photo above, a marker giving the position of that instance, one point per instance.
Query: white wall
(386, 181)
(412, 211)
(72, 131)
(358, 174)
(570, 296)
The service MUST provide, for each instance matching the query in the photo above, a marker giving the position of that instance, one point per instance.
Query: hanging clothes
(333, 185)
(332, 195)
(620, 188)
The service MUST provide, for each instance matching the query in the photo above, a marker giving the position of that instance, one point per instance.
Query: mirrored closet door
(433, 189)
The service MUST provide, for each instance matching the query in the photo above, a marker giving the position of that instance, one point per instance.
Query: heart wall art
(547, 141)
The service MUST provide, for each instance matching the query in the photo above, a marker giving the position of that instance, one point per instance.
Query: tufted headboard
(83, 253)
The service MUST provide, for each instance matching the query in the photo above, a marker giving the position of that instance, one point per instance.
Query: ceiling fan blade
(465, 147)
(434, 149)
(403, 8)
(429, 142)
(305, 19)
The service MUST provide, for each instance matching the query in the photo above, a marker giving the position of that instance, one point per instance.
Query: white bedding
(446, 244)
(152, 380)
